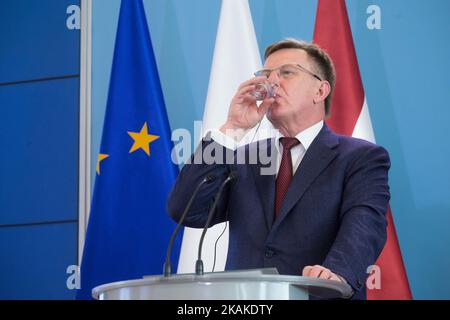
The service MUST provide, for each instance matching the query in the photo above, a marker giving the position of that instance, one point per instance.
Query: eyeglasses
(286, 71)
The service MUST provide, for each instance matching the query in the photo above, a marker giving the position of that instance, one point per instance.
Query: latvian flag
(350, 116)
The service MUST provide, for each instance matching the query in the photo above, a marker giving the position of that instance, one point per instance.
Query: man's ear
(322, 92)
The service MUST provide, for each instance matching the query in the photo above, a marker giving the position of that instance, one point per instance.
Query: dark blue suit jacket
(333, 213)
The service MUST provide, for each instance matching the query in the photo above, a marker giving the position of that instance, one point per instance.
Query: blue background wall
(404, 68)
(39, 89)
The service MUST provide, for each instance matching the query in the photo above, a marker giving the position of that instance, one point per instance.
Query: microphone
(199, 263)
(167, 266)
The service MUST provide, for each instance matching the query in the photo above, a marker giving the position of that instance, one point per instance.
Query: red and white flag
(236, 57)
(350, 116)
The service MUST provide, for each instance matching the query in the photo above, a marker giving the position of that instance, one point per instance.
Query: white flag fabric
(236, 58)
(363, 127)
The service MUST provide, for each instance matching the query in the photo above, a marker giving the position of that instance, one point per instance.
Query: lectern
(258, 284)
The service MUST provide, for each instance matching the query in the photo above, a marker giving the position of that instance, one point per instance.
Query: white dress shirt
(305, 137)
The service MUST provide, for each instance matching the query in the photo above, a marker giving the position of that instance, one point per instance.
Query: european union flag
(128, 228)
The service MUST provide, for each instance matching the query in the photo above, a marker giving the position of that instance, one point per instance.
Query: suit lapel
(318, 156)
(265, 183)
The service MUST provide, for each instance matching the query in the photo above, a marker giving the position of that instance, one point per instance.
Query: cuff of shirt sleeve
(229, 142)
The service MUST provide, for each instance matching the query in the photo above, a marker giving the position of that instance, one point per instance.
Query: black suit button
(269, 253)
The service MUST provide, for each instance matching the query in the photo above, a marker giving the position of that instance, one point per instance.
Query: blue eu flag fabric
(128, 228)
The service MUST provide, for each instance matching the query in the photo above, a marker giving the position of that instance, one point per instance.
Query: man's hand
(244, 113)
(321, 273)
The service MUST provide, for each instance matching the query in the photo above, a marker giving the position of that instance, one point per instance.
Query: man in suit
(321, 212)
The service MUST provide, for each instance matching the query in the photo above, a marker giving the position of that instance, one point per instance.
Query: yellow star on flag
(100, 157)
(142, 140)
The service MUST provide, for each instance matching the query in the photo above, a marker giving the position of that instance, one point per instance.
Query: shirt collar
(305, 137)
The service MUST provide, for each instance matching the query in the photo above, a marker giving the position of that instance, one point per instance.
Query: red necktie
(284, 173)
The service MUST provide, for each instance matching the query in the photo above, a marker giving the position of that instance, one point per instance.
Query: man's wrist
(233, 131)
(228, 126)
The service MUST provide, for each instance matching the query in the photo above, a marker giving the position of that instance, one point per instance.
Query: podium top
(327, 289)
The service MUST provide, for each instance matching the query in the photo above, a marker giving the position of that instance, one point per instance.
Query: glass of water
(264, 90)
